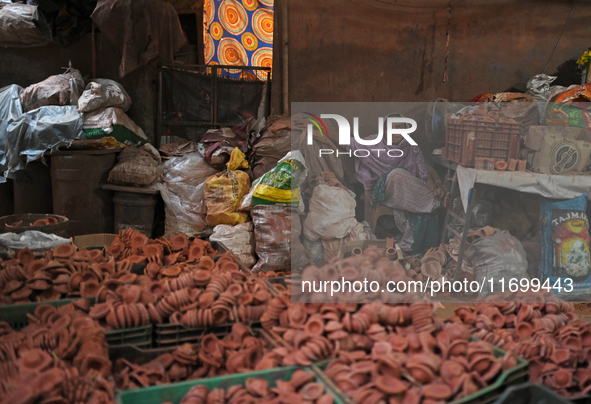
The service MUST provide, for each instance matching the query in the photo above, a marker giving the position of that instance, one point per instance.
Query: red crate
(474, 136)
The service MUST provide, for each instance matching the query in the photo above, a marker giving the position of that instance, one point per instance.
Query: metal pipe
(93, 53)
(285, 59)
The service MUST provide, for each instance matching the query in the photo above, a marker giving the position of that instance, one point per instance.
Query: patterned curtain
(239, 32)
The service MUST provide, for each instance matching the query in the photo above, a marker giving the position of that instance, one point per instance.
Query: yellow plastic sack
(225, 190)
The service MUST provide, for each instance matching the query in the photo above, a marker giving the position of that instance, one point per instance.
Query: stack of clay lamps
(371, 266)
(203, 299)
(237, 352)
(326, 178)
(475, 235)
(62, 272)
(389, 252)
(207, 263)
(196, 299)
(41, 222)
(62, 354)
(548, 334)
(432, 264)
(133, 247)
(272, 274)
(124, 305)
(419, 367)
(317, 331)
(301, 388)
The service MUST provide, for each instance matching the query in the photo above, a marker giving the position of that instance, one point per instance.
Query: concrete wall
(25, 66)
(367, 50)
(376, 50)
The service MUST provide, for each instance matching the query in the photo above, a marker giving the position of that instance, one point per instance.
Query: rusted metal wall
(387, 50)
(24, 66)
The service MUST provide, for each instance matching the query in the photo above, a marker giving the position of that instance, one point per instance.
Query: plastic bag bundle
(113, 122)
(274, 142)
(17, 26)
(332, 213)
(280, 185)
(239, 239)
(497, 256)
(277, 231)
(565, 241)
(136, 167)
(103, 93)
(61, 89)
(225, 190)
(183, 192)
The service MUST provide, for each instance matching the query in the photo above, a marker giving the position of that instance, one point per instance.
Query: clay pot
(35, 360)
(300, 378)
(312, 391)
(64, 251)
(560, 356)
(451, 370)
(179, 242)
(206, 263)
(89, 289)
(170, 271)
(431, 269)
(437, 391)
(524, 330)
(562, 378)
(257, 387)
(314, 326)
(25, 256)
(390, 385)
(421, 373)
(201, 277)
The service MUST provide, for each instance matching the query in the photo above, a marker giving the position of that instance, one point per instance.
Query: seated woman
(414, 196)
(407, 185)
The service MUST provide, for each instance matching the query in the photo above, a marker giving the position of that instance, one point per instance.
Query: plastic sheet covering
(239, 239)
(61, 89)
(548, 186)
(103, 93)
(498, 256)
(10, 110)
(182, 189)
(33, 239)
(64, 21)
(111, 122)
(141, 30)
(277, 231)
(29, 135)
(332, 213)
(17, 28)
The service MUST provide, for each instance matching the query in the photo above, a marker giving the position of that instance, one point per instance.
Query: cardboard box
(557, 150)
(93, 241)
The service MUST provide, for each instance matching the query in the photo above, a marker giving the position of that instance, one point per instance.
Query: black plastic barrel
(77, 178)
(32, 189)
(135, 210)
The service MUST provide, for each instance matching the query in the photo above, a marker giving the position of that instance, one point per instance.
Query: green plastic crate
(282, 281)
(140, 356)
(16, 314)
(174, 393)
(517, 375)
(171, 335)
(139, 336)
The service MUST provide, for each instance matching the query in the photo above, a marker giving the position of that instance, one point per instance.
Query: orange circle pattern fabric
(239, 33)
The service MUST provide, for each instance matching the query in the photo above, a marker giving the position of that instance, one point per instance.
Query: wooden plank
(137, 190)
